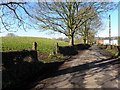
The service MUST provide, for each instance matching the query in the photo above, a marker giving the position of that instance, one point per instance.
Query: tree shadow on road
(102, 64)
(95, 66)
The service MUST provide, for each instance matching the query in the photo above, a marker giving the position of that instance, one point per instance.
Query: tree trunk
(71, 40)
(84, 41)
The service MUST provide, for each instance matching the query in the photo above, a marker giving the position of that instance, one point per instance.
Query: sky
(114, 25)
(47, 34)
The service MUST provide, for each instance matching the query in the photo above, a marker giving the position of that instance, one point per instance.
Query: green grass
(20, 43)
(114, 52)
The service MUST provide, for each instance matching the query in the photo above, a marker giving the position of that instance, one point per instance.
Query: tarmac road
(93, 68)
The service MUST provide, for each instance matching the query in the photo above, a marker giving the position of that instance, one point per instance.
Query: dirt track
(92, 68)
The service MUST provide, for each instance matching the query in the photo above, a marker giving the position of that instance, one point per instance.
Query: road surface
(93, 68)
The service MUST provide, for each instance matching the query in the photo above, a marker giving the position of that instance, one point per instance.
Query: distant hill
(10, 35)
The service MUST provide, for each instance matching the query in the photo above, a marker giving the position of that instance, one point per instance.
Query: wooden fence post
(118, 47)
(34, 46)
(111, 46)
(106, 46)
(34, 56)
(57, 48)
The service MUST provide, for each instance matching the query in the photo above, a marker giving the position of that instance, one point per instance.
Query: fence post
(34, 56)
(57, 48)
(34, 46)
(111, 46)
(106, 46)
(118, 47)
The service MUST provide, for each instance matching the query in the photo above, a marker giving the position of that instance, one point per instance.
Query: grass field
(20, 43)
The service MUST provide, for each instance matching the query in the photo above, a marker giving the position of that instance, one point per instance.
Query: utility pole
(109, 30)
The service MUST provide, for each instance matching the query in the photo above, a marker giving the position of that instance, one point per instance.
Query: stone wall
(71, 50)
(16, 56)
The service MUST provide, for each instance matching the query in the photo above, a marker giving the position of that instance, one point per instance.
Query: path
(89, 69)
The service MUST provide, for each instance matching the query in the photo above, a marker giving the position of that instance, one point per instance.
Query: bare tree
(89, 28)
(66, 17)
(14, 15)
(63, 17)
